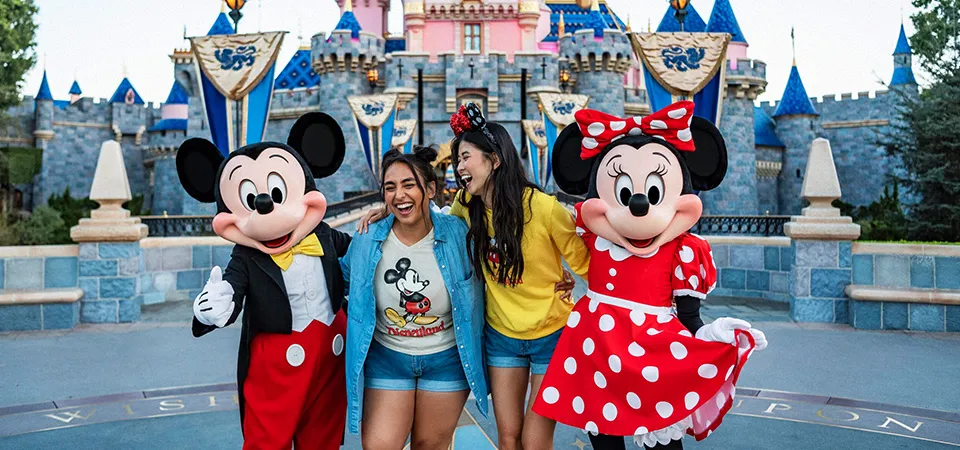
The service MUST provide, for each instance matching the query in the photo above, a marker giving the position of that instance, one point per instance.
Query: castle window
(471, 38)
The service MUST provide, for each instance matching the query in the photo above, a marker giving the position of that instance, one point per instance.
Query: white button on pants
(295, 355)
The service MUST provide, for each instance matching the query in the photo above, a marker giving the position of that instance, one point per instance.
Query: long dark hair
(509, 184)
(419, 162)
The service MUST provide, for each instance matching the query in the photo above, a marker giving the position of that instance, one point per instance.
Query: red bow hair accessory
(459, 122)
(670, 124)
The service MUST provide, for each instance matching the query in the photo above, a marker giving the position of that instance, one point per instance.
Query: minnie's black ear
(198, 161)
(571, 173)
(708, 164)
(318, 138)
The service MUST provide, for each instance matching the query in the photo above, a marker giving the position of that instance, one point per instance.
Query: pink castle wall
(371, 18)
(438, 37)
(736, 50)
(504, 37)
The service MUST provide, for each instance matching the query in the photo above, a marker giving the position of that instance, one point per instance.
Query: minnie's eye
(276, 187)
(654, 188)
(248, 192)
(623, 189)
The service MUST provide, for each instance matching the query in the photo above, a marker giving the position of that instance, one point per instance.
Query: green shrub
(882, 220)
(43, 227)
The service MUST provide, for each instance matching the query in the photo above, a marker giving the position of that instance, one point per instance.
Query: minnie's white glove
(722, 330)
(214, 305)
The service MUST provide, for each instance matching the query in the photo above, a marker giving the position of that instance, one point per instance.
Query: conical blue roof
(765, 129)
(595, 21)
(348, 21)
(795, 99)
(119, 96)
(903, 75)
(221, 26)
(75, 88)
(692, 23)
(903, 45)
(177, 96)
(577, 18)
(298, 73)
(44, 92)
(722, 20)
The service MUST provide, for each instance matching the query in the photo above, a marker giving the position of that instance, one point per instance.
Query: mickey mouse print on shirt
(414, 304)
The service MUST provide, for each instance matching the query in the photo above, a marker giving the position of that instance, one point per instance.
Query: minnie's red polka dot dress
(624, 364)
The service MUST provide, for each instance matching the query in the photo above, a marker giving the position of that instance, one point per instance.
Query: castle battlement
(747, 68)
(585, 53)
(748, 80)
(333, 54)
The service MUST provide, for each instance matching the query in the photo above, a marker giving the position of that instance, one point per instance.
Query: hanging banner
(402, 133)
(537, 143)
(375, 117)
(684, 66)
(236, 78)
(558, 112)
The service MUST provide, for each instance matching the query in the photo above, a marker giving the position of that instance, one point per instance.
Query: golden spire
(793, 42)
(223, 6)
(629, 23)
(348, 6)
(561, 28)
(649, 26)
(595, 6)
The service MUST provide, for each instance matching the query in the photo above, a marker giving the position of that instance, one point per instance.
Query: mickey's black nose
(263, 203)
(639, 205)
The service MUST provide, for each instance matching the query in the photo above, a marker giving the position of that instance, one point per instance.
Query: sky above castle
(839, 49)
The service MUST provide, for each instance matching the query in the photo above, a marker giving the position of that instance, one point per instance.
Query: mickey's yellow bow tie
(310, 246)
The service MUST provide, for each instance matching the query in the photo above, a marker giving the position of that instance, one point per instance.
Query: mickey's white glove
(722, 330)
(214, 305)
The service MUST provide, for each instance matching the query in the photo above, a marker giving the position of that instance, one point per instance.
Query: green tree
(17, 40)
(44, 227)
(71, 210)
(937, 39)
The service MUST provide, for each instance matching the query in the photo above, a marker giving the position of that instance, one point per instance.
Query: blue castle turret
(722, 20)
(797, 125)
(43, 114)
(75, 88)
(903, 62)
(692, 23)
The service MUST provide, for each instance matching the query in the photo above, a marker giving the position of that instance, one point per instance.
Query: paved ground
(817, 387)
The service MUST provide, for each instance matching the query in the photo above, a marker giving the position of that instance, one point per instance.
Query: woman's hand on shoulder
(372, 216)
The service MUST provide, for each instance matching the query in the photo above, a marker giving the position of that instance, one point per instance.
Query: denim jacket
(466, 296)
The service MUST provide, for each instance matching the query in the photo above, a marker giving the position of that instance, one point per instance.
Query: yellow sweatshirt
(531, 309)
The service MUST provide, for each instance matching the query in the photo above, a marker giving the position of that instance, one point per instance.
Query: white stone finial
(821, 186)
(110, 178)
(110, 222)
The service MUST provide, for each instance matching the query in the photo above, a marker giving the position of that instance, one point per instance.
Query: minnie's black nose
(639, 205)
(263, 203)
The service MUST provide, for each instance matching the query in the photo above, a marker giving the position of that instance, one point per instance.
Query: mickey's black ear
(571, 172)
(198, 161)
(318, 138)
(708, 164)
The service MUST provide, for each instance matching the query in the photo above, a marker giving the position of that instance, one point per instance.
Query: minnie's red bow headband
(671, 124)
(470, 118)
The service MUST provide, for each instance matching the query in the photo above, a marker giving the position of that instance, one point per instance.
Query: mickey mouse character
(626, 363)
(284, 272)
(414, 304)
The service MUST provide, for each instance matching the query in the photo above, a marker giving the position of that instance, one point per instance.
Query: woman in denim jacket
(415, 316)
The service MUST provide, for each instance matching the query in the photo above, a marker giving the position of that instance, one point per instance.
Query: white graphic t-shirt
(413, 306)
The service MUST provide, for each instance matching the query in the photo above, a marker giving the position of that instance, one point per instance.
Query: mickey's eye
(654, 188)
(248, 192)
(276, 187)
(624, 189)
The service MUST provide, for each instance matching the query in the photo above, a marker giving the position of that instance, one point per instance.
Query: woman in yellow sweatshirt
(516, 239)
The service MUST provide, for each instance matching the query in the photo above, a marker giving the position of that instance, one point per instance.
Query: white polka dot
(590, 143)
(573, 319)
(635, 132)
(678, 272)
(690, 120)
(614, 362)
(691, 400)
(664, 318)
(578, 405)
(633, 400)
(638, 120)
(707, 371)
(594, 303)
(610, 412)
(606, 323)
(551, 395)
(678, 350)
(637, 317)
(600, 380)
(641, 430)
(337, 344)
(596, 129)
(609, 286)
(658, 125)
(721, 399)
(694, 281)
(613, 272)
(635, 349)
(660, 137)
(729, 372)
(592, 428)
(685, 135)
(618, 125)
(651, 374)
(677, 113)
(664, 409)
(686, 254)
(652, 332)
(570, 365)
(686, 333)
(619, 136)
(588, 346)
(703, 272)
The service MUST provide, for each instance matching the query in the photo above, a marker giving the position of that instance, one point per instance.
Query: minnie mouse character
(285, 272)
(626, 363)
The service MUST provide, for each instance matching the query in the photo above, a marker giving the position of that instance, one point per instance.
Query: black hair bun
(426, 154)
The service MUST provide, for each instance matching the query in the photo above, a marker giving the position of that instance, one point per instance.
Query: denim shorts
(507, 352)
(391, 370)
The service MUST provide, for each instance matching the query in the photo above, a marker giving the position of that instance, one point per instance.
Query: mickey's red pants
(295, 391)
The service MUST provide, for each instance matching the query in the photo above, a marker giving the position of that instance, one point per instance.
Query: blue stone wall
(753, 270)
(179, 273)
(797, 133)
(819, 273)
(109, 277)
(36, 274)
(737, 194)
(599, 75)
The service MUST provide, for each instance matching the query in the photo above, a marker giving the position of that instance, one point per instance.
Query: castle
(471, 50)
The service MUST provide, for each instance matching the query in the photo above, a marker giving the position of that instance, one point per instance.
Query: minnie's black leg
(605, 442)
